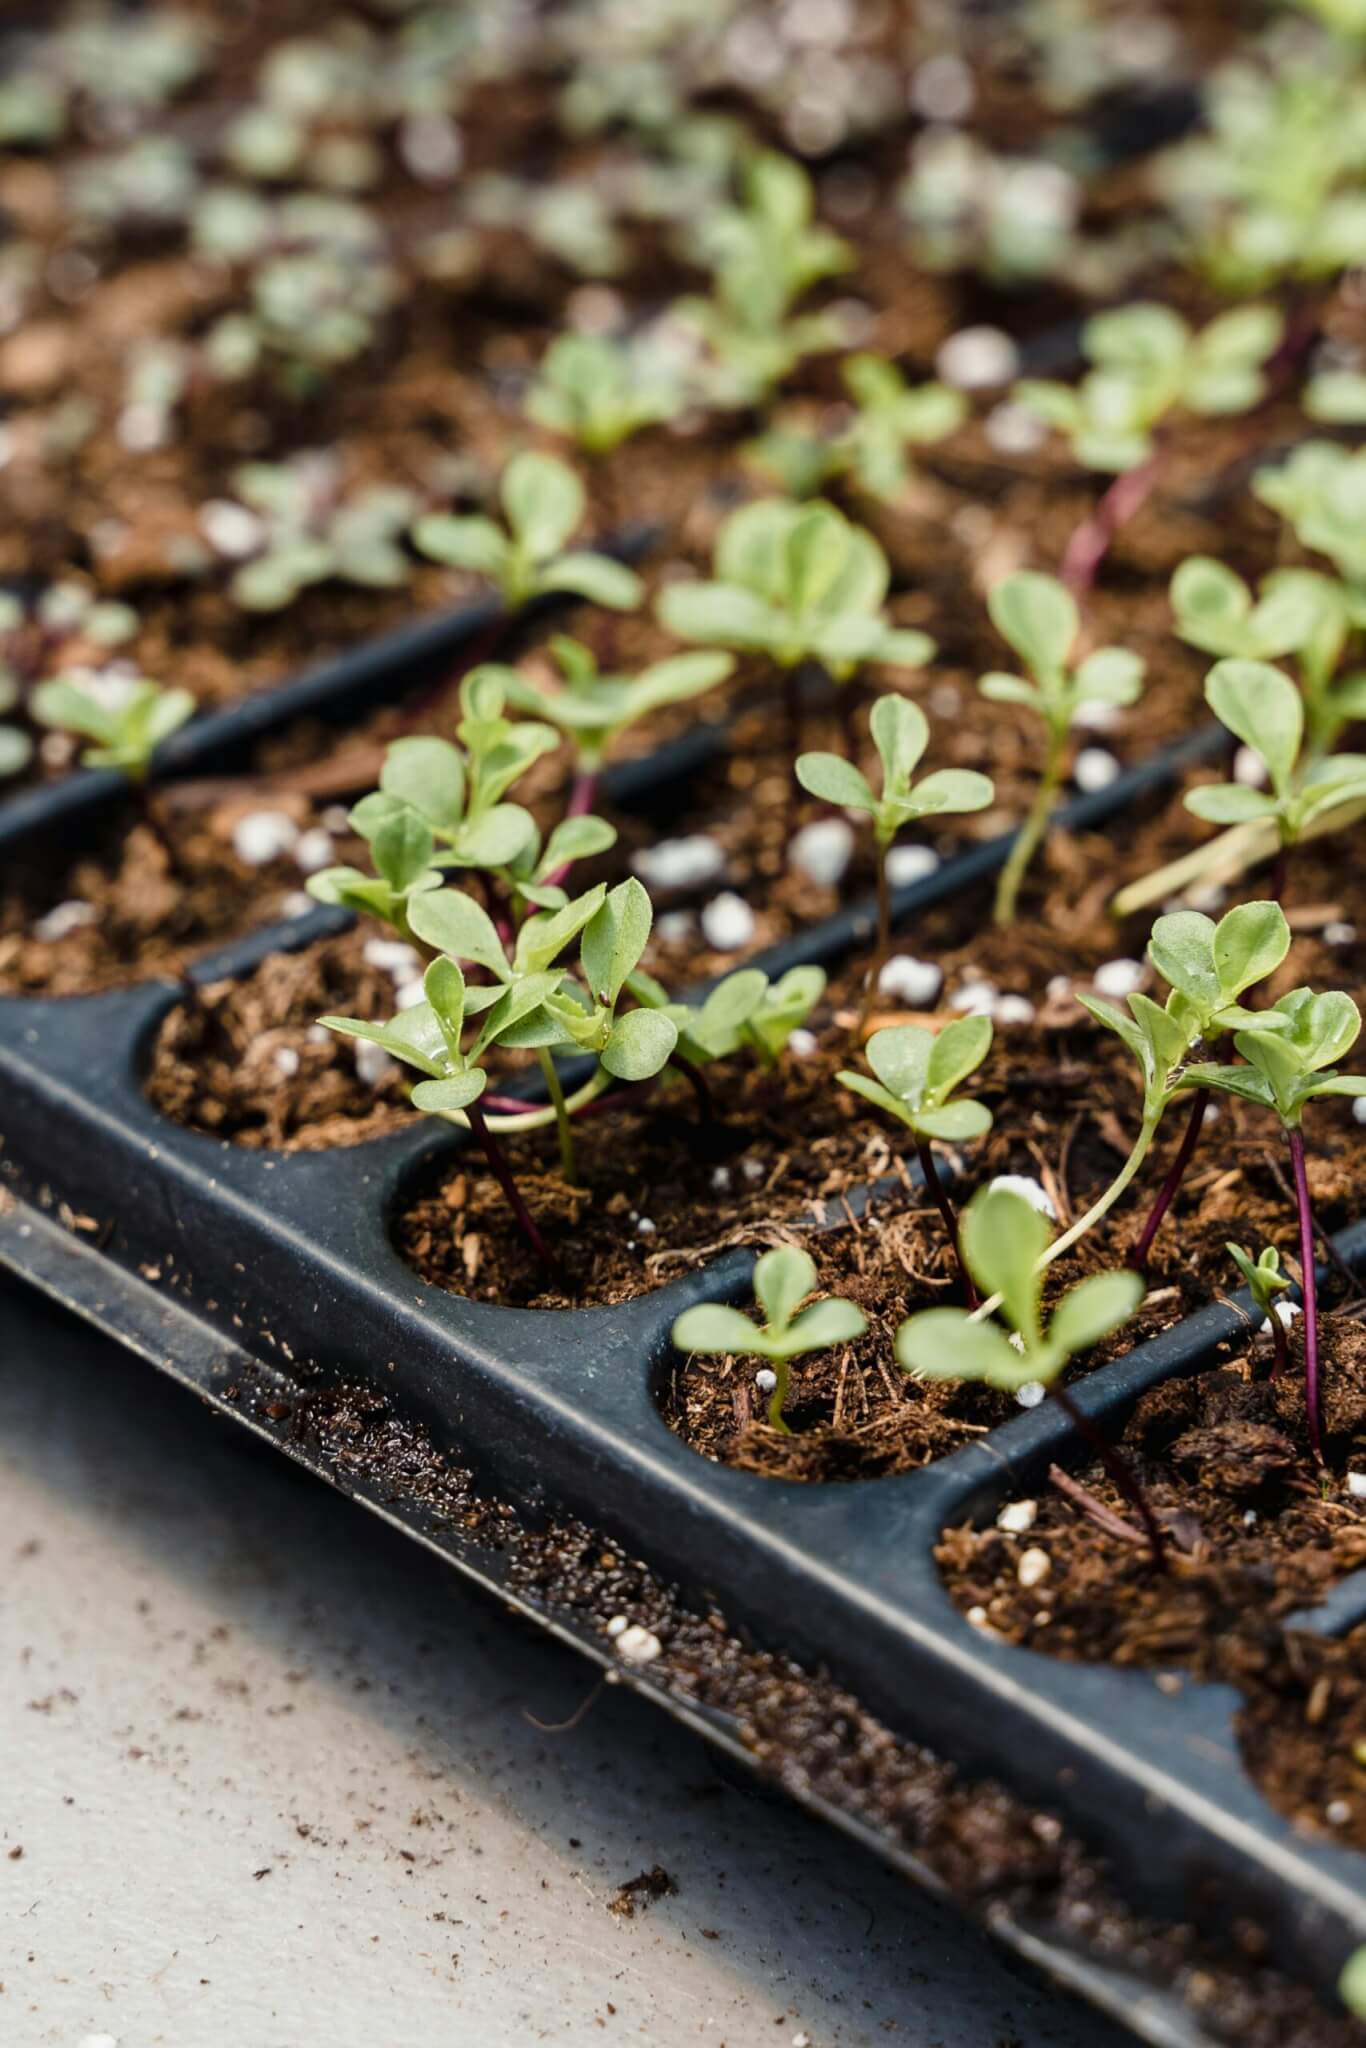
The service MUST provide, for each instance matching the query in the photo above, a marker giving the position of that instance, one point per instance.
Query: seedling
(1264, 1280)
(125, 717)
(1268, 189)
(782, 1280)
(598, 392)
(745, 1012)
(1290, 1052)
(1039, 618)
(890, 418)
(441, 806)
(1148, 365)
(1005, 1243)
(320, 281)
(594, 709)
(1012, 219)
(901, 735)
(763, 254)
(568, 219)
(1320, 491)
(1352, 1983)
(543, 502)
(1261, 707)
(543, 1007)
(306, 532)
(1209, 967)
(1298, 612)
(35, 636)
(918, 1073)
(797, 583)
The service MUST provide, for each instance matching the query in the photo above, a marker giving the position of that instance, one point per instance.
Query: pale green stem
(538, 1119)
(1098, 1208)
(1031, 832)
(565, 1130)
(776, 1400)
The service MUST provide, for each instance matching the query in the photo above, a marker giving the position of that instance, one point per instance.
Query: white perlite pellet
(977, 357)
(1031, 1190)
(1337, 1813)
(975, 998)
(1356, 1485)
(907, 864)
(637, 1645)
(313, 850)
(1119, 978)
(1338, 933)
(1030, 1394)
(728, 922)
(63, 919)
(1359, 1109)
(1014, 430)
(1018, 1517)
(233, 529)
(910, 981)
(260, 837)
(286, 1061)
(394, 957)
(1034, 1567)
(1249, 768)
(1013, 1010)
(766, 1381)
(802, 1043)
(373, 1063)
(1095, 768)
(676, 865)
(617, 1626)
(822, 851)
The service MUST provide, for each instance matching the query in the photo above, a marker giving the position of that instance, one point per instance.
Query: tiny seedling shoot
(901, 735)
(594, 709)
(782, 1281)
(529, 556)
(795, 584)
(1004, 1240)
(918, 1073)
(1291, 1051)
(1039, 619)
(1264, 1280)
(125, 718)
(1147, 364)
(1261, 707)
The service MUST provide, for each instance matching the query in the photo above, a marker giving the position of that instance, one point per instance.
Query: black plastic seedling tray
(260, 1278)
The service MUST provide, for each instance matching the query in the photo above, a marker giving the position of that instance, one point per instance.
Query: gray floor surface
(270, 1778)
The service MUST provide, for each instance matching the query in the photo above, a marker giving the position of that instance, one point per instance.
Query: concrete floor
(271, 1779)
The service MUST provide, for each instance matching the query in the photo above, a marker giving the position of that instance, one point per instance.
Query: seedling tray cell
(264, 1279)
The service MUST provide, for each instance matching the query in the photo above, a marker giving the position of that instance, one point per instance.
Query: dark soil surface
(1255, 1533)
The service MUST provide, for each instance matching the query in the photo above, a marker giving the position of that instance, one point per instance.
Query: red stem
(582, 794)
(1166, 1194)
(502, 1173)
(1118, 1469)
(1091, 541)
(1309, 1289)
(939, 1194)
(1280, 1348)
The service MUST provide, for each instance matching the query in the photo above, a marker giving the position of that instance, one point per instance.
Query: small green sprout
(1005, 1242)
(797, 583)
(1352, 1983)
(1209, 967)
(598, 392)
(782, 1280)
(1011, 219)
(744, 1012)
(763, 254)
(890, 418)
(320, 280)
(50, 630)
(1264, 1280)
(1148, 364)
(1261, 707)
(595, 710)
(1291, 1050)
(918, 1073)
(1298, 612)
(1269, 188)
(543, 502)
(125, 717)
(439, 805)
(1320, 491)
(308, 533)
(568, 219)
(900, 734)
(1040, 620)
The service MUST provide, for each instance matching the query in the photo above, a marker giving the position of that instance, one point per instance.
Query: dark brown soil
(252, 1064)
(164, 892)
(1255, 1532)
